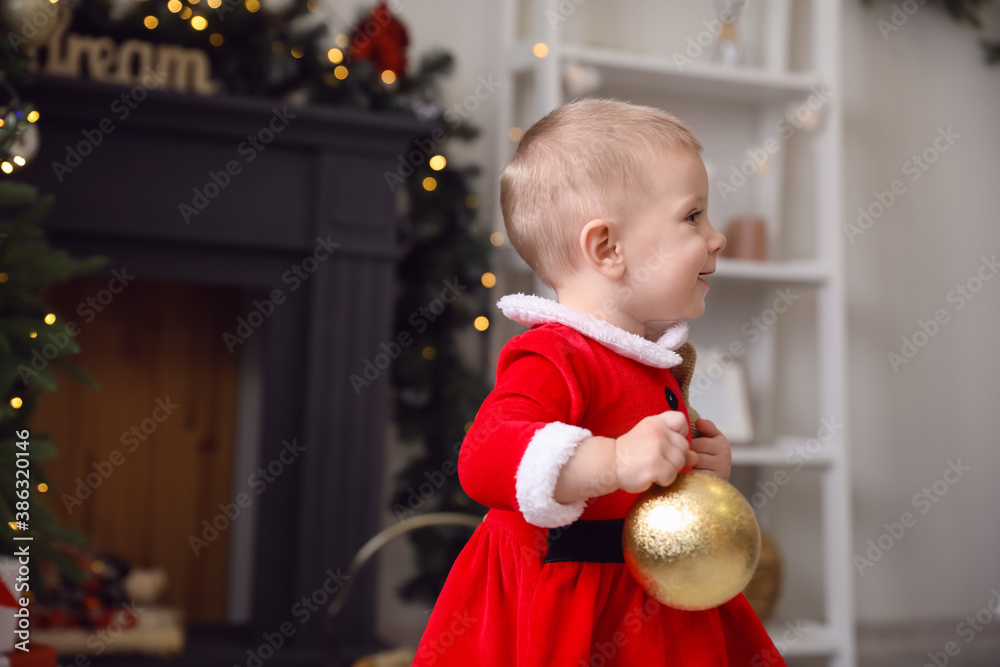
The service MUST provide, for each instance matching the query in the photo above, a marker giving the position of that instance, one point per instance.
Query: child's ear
(683, 372)
(600, 243)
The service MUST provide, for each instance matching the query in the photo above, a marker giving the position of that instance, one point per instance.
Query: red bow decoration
(382, 39)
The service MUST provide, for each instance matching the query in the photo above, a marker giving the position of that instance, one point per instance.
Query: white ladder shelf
(533, 83)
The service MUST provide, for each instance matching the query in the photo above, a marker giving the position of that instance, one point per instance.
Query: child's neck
(594, 302)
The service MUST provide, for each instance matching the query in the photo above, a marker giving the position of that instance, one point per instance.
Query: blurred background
(250, 254)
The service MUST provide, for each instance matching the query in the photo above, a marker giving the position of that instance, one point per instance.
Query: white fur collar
(529, 310)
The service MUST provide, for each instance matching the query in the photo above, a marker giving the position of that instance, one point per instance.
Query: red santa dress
(570, 376)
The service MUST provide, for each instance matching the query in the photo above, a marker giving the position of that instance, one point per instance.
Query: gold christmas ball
(28, 23)
(693, 545)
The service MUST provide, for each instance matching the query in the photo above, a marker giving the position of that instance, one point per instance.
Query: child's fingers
(674, 442)
(691, 458)
(675, 421)
(707, 427)
(708, 445)
(706, 460)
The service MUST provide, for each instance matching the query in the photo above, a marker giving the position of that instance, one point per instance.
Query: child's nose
(720, 240)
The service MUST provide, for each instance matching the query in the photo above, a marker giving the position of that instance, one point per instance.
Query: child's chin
(693, 312)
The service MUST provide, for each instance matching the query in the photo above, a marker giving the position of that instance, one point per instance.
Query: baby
(607, 202)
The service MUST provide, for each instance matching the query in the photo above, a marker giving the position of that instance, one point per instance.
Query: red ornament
(382, 39)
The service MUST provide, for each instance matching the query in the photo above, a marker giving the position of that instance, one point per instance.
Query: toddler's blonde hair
(587, 159)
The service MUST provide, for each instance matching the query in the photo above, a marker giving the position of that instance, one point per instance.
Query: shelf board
(801, 272)
(631, 70)
(783, 452)
(801, 638)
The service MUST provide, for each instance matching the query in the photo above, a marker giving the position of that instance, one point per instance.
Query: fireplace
(170, 193)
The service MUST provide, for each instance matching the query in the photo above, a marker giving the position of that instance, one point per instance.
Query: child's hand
(653, 452)
(714, 454)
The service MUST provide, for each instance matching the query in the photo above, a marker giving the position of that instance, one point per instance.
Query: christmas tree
(33, 342)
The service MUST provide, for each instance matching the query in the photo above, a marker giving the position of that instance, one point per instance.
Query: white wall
(941, 405)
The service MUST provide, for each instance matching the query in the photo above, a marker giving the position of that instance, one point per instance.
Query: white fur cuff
(535, 483)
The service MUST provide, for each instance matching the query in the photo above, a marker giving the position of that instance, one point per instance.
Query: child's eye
(693, 215)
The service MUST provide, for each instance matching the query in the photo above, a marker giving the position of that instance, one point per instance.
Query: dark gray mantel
(321, 176)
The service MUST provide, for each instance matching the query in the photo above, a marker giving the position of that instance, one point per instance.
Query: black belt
(587, 542)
